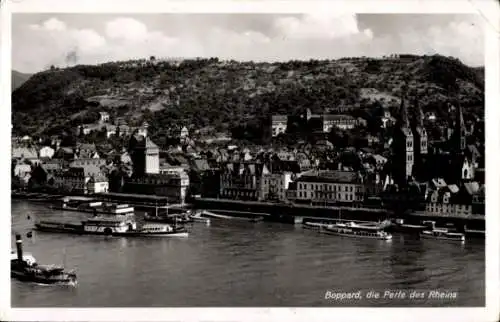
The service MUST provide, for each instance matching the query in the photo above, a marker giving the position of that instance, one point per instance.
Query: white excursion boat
(355, 230)
(442, 233)
(157, 230)
(116, 226)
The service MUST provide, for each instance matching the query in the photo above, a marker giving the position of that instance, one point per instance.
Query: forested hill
(228, 94)
(18, 79)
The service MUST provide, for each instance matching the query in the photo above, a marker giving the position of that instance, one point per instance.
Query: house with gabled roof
(243, 180)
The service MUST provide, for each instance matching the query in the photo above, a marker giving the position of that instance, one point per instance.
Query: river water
(247, 264)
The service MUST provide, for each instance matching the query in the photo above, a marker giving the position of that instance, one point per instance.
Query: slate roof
(330, 176)
(337, 117)
(279, 118)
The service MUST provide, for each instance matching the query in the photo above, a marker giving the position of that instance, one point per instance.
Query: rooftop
(279, 118)
(333, 117)
(330, 176)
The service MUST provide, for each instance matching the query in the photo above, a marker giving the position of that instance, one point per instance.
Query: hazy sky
(41, 40)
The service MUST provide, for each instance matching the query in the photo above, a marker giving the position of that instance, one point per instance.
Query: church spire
(419, 113)
(403, 110)
(460, 128)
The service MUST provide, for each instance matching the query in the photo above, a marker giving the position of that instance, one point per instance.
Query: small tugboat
(442, 233)
(25, 268)
(114, 226)
(355, 230)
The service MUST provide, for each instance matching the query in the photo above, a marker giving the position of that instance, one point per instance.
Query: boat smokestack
(19, 246)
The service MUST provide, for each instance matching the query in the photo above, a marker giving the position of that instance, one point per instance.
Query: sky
(62, 39)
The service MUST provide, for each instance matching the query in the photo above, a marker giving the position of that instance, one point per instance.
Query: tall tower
(152, 154)
(420, 139)
(403, 142)
(137, 153)
(460, 130)
(462, 163)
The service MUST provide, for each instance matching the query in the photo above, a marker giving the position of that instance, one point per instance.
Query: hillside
(227, 95)
(18, 79)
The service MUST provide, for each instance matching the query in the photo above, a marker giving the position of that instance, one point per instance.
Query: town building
(279, 124)
(53, 166)
(98, 184)
(24, 153)
(276, 184)
(76, 163)
(125, 158)
(340, 121)
(243, 180)
(291, 192)
(210, 183)
(110, 130)
(21, 170)
(64, 153)
(184, 135)
(76, 180)
(387, 120)
(166, 168)
(330, 187)
(174, 186)
(103, 117)
(449, 201)
(46, 152)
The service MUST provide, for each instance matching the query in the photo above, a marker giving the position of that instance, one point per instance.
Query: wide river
(247, 264)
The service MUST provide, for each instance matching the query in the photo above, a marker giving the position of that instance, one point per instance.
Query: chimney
(19, 245)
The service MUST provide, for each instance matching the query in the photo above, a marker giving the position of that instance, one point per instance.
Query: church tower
(462, 162)
(420, 139)
(403, 145)
(460, 131)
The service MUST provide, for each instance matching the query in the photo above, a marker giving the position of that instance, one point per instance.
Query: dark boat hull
(407, 229)
(178, 232)
(66, 230)
(26, 277)
(182, 233)
(167, 220)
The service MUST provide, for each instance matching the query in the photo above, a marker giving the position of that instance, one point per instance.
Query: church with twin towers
(410, 142)
(410, 147)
